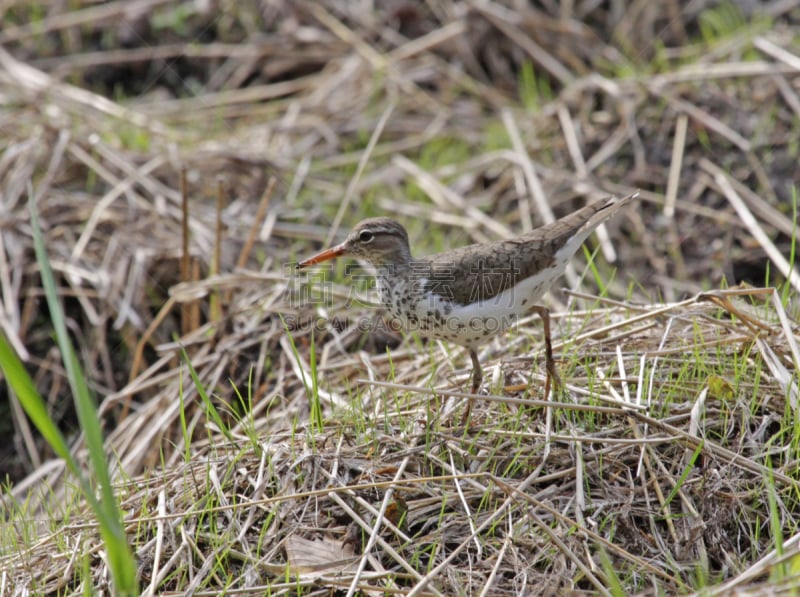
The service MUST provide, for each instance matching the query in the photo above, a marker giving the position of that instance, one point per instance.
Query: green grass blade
(787, 285)
(685, 474)
(21, 383)
(316, 406)
(120, 557)
(34, 405)
(591, 267)
(211, 410)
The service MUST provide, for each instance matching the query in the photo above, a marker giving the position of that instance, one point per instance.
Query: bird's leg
(477, 372)
(550, 364)
(477, 378)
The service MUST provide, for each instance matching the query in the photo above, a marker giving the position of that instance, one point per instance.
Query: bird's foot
(552, 379)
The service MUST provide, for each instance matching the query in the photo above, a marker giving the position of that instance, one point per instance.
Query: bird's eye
(365, 236)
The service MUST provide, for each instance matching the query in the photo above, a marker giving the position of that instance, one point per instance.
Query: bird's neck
(387, 270)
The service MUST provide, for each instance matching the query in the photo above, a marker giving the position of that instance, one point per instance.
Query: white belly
(469, 325)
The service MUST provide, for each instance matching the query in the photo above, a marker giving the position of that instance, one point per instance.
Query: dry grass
(668, 464)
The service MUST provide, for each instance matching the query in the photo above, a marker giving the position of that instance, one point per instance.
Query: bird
(470, 294)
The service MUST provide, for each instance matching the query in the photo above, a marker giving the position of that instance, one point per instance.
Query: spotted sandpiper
(470, 294)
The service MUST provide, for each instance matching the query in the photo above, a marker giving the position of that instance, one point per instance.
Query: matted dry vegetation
(668, 463)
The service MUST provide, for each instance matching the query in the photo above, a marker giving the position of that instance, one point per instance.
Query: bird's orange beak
(325, 255)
